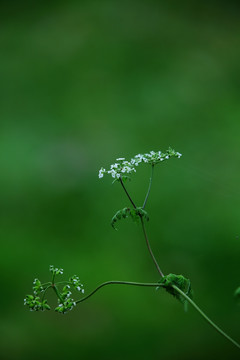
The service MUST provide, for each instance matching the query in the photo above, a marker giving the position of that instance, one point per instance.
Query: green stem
(117, 283)
(44, 291)
(57, 293)
(143, 226)
(127, 193)
(149, 248)
(63, 282)
(53, 277)
(206, 317)
(149, 188)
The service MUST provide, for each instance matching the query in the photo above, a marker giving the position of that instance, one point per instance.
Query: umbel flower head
(122, 168)
(37, 301)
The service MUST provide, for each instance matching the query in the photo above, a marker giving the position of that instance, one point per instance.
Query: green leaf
(181, 282)
(120, 214)
(134, 214)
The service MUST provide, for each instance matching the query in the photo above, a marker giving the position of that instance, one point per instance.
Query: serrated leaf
(134, 214)
(181, 282)
(120, 214)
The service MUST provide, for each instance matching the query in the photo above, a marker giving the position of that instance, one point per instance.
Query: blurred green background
(85, 82)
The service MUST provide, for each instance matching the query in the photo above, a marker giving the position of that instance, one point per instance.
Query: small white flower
(128, 167)
(101, 173)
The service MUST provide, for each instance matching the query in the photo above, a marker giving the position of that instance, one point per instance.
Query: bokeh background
(85, 82)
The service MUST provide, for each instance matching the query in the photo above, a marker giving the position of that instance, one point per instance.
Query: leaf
(120, 214)
(126, 212)
(181, 282)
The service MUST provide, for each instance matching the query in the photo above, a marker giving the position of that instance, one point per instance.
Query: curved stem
(63, 282)
(149, 248)
(149, 188)
(143, 226)
(117, 283)
(205, 316)
(44, 291)
(127, 193)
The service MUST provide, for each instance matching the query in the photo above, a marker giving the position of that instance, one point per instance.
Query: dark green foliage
(126, 212)
(181, 282)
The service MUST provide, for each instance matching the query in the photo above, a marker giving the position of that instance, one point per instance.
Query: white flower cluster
(67, 292)
(75, 281)
(35, 304)
(122, 167)
(55, 270)
(155, 157)
(65, 306)
(37, 287)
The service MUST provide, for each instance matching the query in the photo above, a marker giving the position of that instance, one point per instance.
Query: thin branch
(206, 317)
(127, 193)
(149, 188)
(150, 250)
(57, 292)
(44, 291)
(63, 282)
(117, 283)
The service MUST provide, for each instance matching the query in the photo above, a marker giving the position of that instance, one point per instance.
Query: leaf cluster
(181, 282)
(135, 214)
(35, 304)
(37, 301)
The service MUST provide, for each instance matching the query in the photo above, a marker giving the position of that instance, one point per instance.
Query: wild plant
(176, 285)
